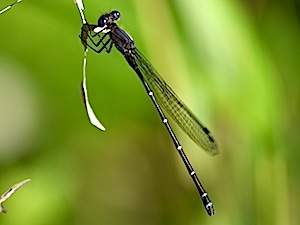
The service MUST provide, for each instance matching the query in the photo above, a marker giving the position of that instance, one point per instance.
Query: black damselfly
(106, 34)
(9, 6)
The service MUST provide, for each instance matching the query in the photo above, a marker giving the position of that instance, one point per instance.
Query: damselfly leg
(88, 34)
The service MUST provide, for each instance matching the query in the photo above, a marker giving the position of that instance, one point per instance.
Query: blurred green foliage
(235, 63)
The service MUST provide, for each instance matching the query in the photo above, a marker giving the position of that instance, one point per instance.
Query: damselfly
(106, 34)
(9, 6)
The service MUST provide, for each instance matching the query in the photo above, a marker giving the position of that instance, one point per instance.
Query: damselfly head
(103, 20)
(109, 18)
(115, 15)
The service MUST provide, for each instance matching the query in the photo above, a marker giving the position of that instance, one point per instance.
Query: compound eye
(115, 15)
(102, 21)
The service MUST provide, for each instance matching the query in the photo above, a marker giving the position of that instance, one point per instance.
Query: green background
(234, 63)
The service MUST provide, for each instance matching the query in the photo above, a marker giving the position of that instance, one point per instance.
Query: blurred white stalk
(7, 194)
(8, 7)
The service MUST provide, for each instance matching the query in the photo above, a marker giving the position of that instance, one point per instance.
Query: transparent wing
(175, 107)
